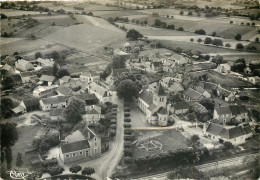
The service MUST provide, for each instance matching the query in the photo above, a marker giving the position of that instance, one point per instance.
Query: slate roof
(55, 100)
(160, 90)
(65, 78)
(199, 108)
(210, 86)
(223, 110)
(47, 78)
(176, 87)
(56, 112)
(31, 102)
(162, 111)
(18, 109)
(86, 97)
(152, 107)
(64, 90)
(200, 90)
(193, 94)
(75, 146)
(146, 96)
(181, 105)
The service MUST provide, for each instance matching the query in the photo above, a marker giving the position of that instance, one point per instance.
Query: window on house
(73, 154)
(67, 155)
(95, 144)
(234, 139)
(95, 139)
(80, 152)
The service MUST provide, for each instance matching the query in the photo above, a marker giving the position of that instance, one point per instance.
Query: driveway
(138, 117)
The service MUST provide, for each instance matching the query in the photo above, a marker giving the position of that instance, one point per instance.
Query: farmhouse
(81, 144)
(101, 93)
(93, 114)
(46, 80)
(64, 91)
(223, 68)
(43, 91)
(23, 65)
(56, 114)
(89, 77)
(64, 79)
(233, 112)
(180, 108)
(47, 104)
(26, 105)
(236, 135)
(153, 104)
(28, 77)
(192, 95)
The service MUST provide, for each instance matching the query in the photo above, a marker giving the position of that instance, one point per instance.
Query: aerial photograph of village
(130, 90)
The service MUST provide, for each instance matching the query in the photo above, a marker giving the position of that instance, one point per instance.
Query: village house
(9, 69)
(46, 80)
(93, 114)
(156, 66)
(101, 93)
(203, 92)
(27, 105)
(64, 79)
(233, 112)
(23, 65)
(228, 96)
(171, 86)
(45, 62)
(43, 91)
(237, 135)
(28, 77)
(192, 95)
(47, 104)
(57, 114)
(223, 68)
(80, 145)
(89, 77)
(89, 99)
(153, 105)
(254, 79)
(168, 66)
(179, 108)
(64, 91)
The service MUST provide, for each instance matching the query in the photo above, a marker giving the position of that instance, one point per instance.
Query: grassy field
(170, 140)
(12, 13)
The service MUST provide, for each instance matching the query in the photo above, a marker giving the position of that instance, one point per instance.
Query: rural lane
(105, 165)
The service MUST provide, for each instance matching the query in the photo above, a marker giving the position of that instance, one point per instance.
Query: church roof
(160, 90)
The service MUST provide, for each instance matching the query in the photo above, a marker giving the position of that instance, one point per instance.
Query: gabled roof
(65, 78)
(160, 90)
(23, 62)
(56, 112)
(193, 94)
(98, 89)
(181, 105)
(152, 107)
(47, 78)
(236, 110)
(75, 136)
(8, 68)
(199, 108)
(18, 109)
(64, 90)
(210, 86)
(75, 146)
(55, 100)
(200, 90)
(87, 97)
(31, 102)
(146, 96)
(176, 87)
(223, 110)
(93, 110)
(162, 111)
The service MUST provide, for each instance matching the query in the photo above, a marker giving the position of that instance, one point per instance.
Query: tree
(181, 12)
(227, 146)
(132, 34)
(239, 46)
(217, 42)
(199, 40)
(38, 55)
(9, 134)
(118, 62)
(75, 169)
(3, 16)
(6, 106)
(208, 104)
(227, 45)
(74, 110)
(208, 40)
(191, 39)
(157, 23)
(189, 13)
(180, 29)
(200, 31)
(127, 89)
(214, 34)
(257, 40)
(8, 157)
(19, 160)
(88, 171)
(53, 171)
(55, 55)
(173, 98)
(218, 59)
(238, 37)
(62, 72)
(8, 83)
